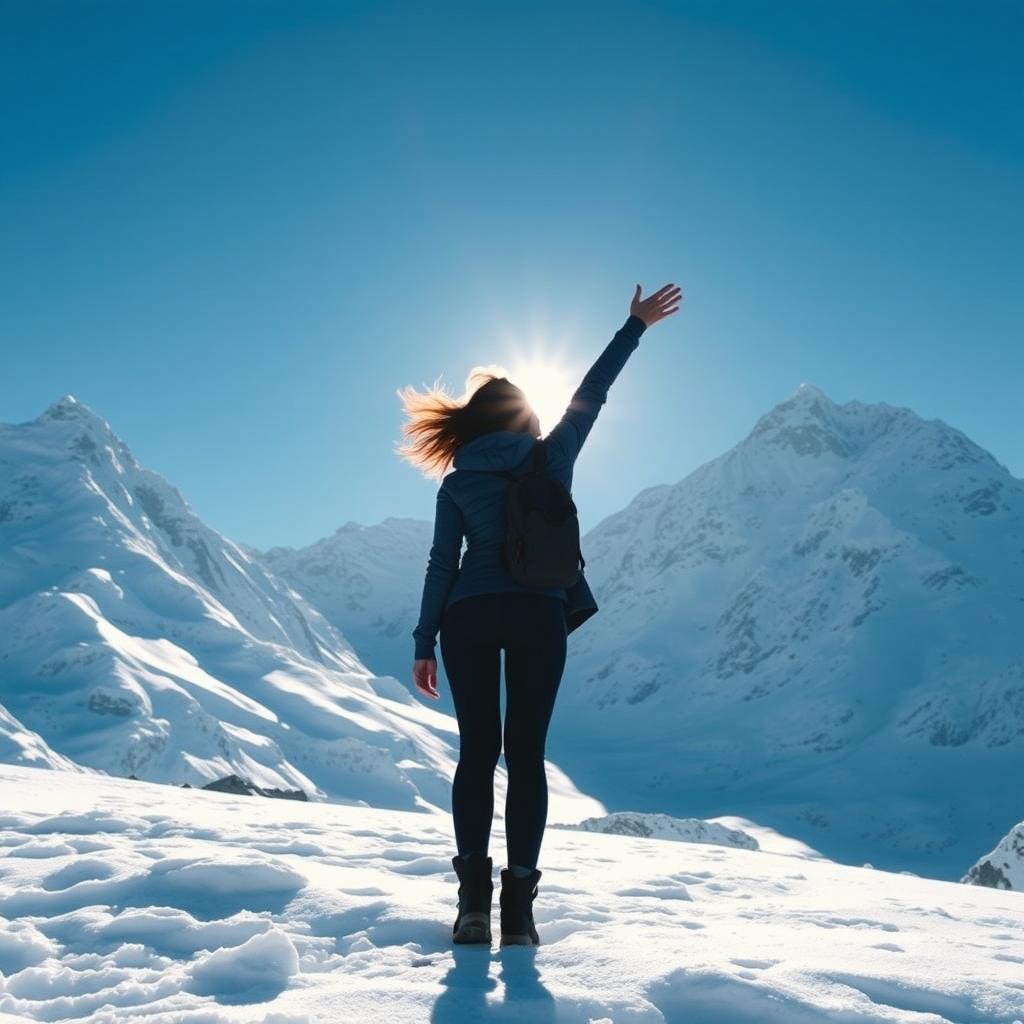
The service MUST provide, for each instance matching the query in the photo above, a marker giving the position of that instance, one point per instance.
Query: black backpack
(542, 532)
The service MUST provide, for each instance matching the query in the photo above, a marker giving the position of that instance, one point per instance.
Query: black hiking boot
(517, 895)
(473, 922)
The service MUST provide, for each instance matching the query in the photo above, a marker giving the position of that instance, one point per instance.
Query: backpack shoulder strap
(538, 457)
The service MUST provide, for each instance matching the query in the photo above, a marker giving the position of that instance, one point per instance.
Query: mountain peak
(73, 426)
(70, 408)
(808, 391)
(808, 422)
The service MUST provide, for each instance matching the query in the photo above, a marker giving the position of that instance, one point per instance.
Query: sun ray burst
(548, 385)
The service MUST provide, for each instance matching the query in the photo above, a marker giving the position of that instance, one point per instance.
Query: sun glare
(548, 386)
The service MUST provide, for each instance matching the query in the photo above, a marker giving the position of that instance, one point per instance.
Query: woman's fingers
(666, 302)
(657, 306)
(424, 675)
(663, 296)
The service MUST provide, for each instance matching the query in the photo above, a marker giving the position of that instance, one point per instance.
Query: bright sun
(548, 385)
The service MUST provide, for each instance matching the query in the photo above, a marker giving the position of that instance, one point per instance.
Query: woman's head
(438, 423)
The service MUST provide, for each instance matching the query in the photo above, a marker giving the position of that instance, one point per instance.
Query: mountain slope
(819, 630)
(136, 640)
(366, 580)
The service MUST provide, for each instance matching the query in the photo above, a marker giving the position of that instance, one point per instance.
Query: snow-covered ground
(126, 900)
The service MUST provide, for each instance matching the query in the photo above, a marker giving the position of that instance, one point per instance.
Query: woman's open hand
(657, 306)
(424, 675)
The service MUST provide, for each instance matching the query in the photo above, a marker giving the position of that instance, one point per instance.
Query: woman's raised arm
(568, 435)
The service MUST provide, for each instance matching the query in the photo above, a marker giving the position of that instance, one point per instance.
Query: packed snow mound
(816, 630)
(135, 640)
(125, 901)
(367, 581)
(1003, 868)
(663, 826)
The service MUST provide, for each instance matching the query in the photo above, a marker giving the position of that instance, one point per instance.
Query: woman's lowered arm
(442, 568)
(571, 431)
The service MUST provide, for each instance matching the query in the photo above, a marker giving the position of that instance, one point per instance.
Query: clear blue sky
(234, 229)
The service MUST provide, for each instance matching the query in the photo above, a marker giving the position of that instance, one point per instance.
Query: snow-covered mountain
(19, 745)
(367, 581)
(823, 629)
(135, 640)
(1003, 868)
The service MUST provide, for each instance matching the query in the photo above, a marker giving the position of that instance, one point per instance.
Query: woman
(481, 610)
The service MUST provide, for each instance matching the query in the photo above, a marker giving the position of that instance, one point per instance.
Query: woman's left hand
(424, 675)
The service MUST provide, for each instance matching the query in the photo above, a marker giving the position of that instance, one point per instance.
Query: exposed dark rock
(986, 873)
(102, 703)
(243, 787)
(232, 784)
(284, 794)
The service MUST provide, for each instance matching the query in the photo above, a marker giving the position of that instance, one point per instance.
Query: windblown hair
(438, 423)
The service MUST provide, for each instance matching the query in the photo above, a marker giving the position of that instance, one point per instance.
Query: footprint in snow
(850, 922)
(661, 892)
(1009, 957)
(41, 849)
(86, 844)
(87, 823)
(424, 866)
(83, 869)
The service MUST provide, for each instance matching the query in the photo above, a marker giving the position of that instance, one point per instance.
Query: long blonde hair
(437, 423)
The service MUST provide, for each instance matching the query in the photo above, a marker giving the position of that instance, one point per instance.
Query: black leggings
(531, 629)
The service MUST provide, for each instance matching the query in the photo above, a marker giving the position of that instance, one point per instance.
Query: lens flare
(548, 386)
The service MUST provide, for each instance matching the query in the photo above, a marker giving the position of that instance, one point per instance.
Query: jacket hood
(499, 449)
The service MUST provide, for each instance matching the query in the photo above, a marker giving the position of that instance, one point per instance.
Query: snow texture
(129, 901)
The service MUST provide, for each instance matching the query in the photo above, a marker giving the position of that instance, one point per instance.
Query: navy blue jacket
(471, 503)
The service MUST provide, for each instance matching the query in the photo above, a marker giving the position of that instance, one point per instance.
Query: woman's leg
(535, 647)
(472, 662)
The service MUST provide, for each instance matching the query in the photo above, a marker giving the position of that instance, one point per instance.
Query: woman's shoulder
(464, 486)
(451, 483)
